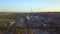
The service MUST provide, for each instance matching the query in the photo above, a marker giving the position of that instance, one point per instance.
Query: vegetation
(30, 24)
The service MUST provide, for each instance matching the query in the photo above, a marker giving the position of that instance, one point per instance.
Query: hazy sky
(25, 5)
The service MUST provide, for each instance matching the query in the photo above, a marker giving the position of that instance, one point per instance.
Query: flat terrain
(36, 19)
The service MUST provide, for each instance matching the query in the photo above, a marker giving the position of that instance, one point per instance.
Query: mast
(31, 9)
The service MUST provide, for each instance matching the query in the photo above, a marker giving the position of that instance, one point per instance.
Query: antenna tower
(31, 9)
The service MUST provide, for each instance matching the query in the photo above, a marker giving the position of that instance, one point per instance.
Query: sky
(25, 5)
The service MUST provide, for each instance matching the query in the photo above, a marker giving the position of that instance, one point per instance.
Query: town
(30, 23)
